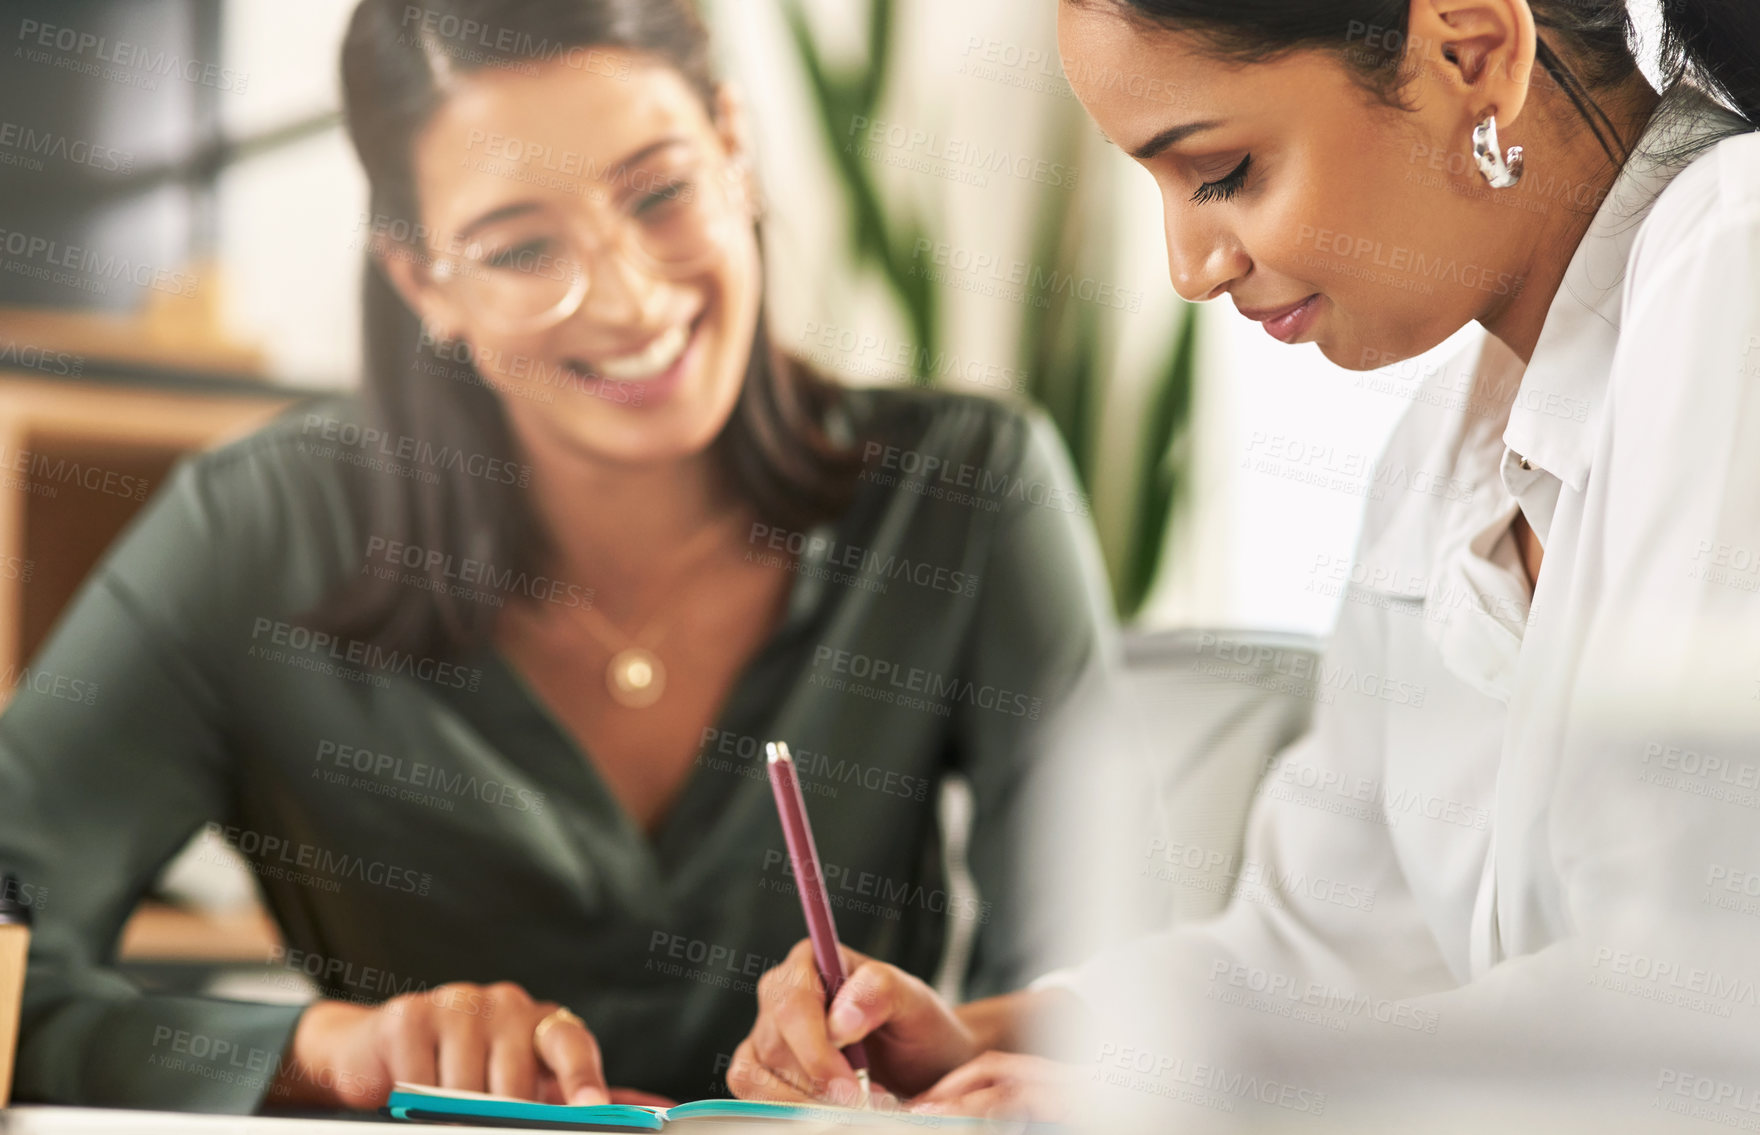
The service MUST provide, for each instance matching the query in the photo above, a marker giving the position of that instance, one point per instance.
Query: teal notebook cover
(440, 1105)
(443, 1105)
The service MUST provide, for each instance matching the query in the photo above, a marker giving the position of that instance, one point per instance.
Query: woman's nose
(619, 291)
(1202, 258)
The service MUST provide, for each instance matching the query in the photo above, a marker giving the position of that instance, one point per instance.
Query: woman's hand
(1004, 1085)
(479, 1038)
(912, 1037)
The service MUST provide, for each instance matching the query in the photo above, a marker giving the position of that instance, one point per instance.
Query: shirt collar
(1558, 407)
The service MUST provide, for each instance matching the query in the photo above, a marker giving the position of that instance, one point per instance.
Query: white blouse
(1541, 853)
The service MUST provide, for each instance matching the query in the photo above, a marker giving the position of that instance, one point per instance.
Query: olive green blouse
(414, 821)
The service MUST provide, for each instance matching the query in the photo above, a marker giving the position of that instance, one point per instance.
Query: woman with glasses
(477, 671)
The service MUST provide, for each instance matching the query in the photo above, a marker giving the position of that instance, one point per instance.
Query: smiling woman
(478, 162)
(471, 667)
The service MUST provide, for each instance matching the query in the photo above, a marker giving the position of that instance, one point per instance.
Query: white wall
(1247, 552)
(288, 237)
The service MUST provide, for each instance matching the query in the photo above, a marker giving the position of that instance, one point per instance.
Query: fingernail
(845, 1020)
(928, 1108)
(587, 1097)
(844, 1090)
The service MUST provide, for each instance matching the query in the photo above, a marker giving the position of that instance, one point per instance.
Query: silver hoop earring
(1502, 172)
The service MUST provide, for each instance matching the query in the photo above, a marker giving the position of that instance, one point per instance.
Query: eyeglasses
(533, 272)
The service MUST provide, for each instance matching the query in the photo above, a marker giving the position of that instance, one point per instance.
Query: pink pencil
(810, 880)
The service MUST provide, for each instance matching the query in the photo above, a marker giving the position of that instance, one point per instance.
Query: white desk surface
(39, 1120)
(35, 1120)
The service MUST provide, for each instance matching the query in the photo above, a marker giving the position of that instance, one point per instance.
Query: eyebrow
(516, 209)
(520, 208)
(1168, 137)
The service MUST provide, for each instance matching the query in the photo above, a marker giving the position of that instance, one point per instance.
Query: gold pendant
(635, 678)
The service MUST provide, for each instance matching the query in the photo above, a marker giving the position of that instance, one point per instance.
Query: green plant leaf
(881, 15)
(875, 240)
(1161, 468)
(1060, 339)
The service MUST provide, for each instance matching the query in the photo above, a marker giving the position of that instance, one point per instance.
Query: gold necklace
(635, 677)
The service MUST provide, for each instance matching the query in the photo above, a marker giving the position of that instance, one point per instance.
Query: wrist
(990, 1024)
(1023, 1021)
(301, 1080)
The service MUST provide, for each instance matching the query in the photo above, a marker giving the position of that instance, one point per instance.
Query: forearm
(169, 1053)
(1028, 1020)
(309, 1074)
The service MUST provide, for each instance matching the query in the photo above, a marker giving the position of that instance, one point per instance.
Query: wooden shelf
(160, 932)
(77, 461)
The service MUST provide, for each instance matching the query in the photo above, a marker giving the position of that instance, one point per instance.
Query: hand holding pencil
(809, 878)
(897, 1027)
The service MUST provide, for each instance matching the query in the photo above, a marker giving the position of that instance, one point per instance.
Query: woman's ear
(733, 126)
(406, 266)
(1483, 51)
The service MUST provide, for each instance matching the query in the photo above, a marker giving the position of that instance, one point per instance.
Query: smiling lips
(1285, 324)
(651, 361)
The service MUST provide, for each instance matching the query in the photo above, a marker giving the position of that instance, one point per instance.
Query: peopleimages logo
(1302, 666)
(866, 675)
(851, 888)
(1270, 882)
(86, 268)
(1706, 1097)
(1409, 262)
(870, 355)
(782, 547)
(371, 447)
(27, 894)
(820, 773)
(44, 474)
(1358, 474)
(146, 61)
(393, 775)
(41, 681)
(1022, 276)
(941, 477)
(1208, 1085)
(364, 983)
(395, 554)
(272, 855)
(29, 357)
(929, 152)
(1329, 999)
(34, 144)
(273, 639)
(476, 39)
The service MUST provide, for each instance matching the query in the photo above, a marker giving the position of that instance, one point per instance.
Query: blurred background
(182, 227)
(186, 158)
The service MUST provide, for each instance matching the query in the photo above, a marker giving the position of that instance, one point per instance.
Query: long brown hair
(774, 448)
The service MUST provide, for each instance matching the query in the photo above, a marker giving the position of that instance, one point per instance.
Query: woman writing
(477, 674)
(1547, 829)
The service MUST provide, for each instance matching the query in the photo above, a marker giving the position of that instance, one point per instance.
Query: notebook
(421, 1103)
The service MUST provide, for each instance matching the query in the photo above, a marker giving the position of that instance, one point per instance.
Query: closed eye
(1224, 188)
(658, 200)
(520, 257)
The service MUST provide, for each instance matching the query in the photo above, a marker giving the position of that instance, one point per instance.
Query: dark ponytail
(1715, 44)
